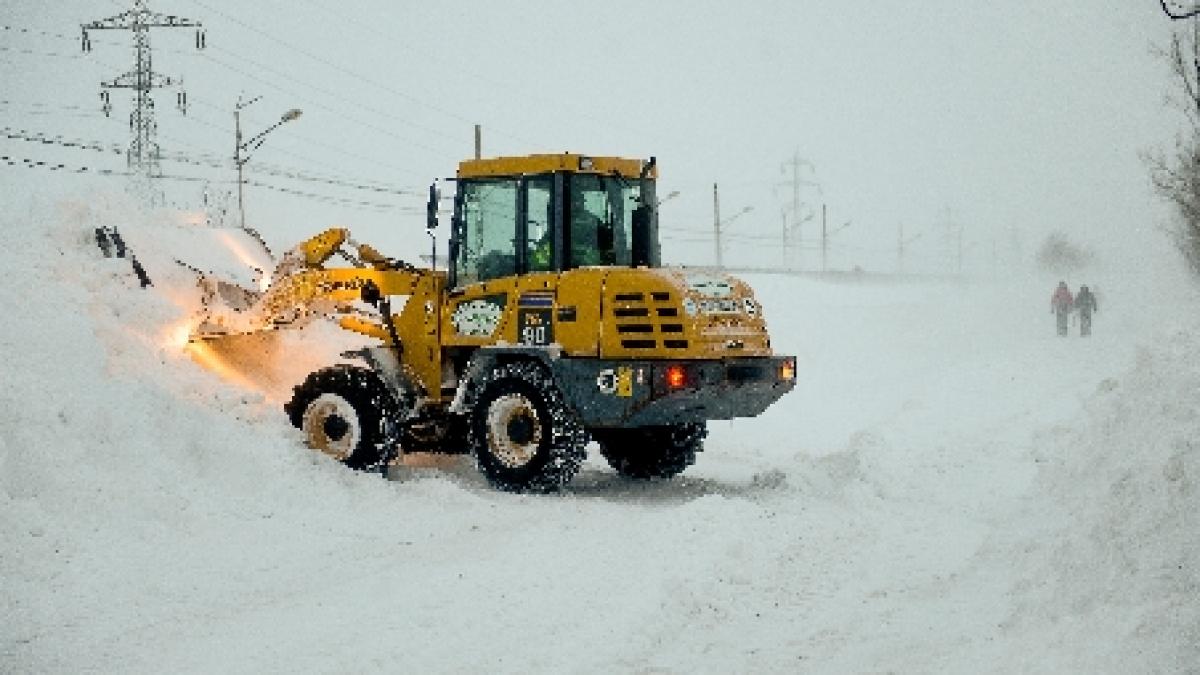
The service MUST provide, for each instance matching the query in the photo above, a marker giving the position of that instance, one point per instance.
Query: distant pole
(795, 163)
(237, 159)
(717, 224)
(824, 241)
(959, 233)
(783, 244)
(901, 245)
(478, 141)
(242, 149)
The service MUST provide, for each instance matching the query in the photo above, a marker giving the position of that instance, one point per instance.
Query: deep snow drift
(951, 488)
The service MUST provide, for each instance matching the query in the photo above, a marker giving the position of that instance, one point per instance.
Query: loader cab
(552, 213)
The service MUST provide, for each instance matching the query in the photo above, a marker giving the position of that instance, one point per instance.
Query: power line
(307, 139)
(25, 162)
(23, 135)
(41, 33)
(347, 71)
(30, 52)
(318, 104)
(329, 93)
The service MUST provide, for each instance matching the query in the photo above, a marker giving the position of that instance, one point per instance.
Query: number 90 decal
(534, 327)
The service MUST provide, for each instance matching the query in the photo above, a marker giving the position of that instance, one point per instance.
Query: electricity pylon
(143, 155)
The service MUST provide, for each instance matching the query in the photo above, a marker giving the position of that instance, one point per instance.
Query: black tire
(347, 413)
(522, 433)
(651, 452)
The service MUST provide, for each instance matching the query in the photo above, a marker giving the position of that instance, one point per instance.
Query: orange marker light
(787, 370)
(676, 376)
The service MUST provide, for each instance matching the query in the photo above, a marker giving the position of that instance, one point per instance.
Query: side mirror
(431, 208)
(641, 243)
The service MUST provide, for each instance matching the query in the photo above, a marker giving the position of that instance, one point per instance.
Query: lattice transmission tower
(144, 154)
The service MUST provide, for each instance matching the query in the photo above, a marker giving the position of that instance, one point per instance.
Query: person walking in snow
(1085, 302)
(1061, 303)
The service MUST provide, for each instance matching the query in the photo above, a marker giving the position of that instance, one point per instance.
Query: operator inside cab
(558, 219)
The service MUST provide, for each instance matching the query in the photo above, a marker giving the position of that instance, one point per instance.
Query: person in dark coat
(1061, 303)
(1085, 302)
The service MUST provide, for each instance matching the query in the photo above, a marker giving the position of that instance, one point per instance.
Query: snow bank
(950, 489)
(1111, 557)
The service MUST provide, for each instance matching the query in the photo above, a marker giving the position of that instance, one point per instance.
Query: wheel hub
(335, 427)
(520, 430)
(331, 425)
(513, 430)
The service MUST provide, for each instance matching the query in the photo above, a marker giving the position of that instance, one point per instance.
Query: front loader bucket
(227, 309)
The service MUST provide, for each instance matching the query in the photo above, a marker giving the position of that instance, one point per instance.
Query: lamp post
(718, 223)
(241, 149)
(671, 195)
(901, 244)
(825, 235)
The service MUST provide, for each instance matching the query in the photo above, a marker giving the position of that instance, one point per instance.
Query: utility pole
(954, 232)
(242, 150)
(143, 154)
(824, 241)
(795, 163)
(825, 235)
(783, 244)
(717, 225)
(901, 244)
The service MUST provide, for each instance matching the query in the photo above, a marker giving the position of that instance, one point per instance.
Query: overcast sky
(1008, 119)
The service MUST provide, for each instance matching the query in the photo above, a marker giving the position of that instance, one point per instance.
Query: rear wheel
(347, 413)
(651, 452)
(521, 431)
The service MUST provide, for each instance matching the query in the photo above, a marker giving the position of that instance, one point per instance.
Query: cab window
(539, 223)
(488, 248)
(599, 215)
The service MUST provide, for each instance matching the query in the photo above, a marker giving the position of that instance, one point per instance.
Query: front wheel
(347, 413)
(651, 452)
(522, 433)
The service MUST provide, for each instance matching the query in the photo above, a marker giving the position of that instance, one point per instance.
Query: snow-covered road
(951, 488)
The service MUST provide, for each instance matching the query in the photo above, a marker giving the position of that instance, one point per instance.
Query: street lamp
(242, 149)
(718, 223)
(825, 235)
(671, 195)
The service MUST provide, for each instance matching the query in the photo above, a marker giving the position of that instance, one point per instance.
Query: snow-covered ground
(951, 488)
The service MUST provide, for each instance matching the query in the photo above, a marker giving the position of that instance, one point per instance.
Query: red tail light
(676, 377)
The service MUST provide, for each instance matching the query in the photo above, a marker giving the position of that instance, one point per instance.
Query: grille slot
(631, 311)
(635, 328)
(637, 320)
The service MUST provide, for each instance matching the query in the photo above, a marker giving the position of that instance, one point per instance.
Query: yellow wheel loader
(554, 323)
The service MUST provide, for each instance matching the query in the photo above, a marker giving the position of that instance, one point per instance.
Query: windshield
(548, 222)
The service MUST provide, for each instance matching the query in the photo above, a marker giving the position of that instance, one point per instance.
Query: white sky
(1023, 116)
